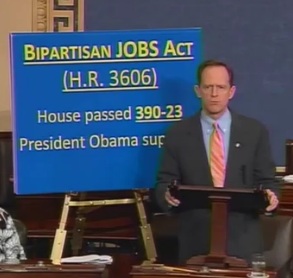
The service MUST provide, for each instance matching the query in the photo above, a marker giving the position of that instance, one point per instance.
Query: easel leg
(146, 230)
(78, 230)
(60, 235)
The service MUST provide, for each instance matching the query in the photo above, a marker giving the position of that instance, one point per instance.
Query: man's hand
(171, 200)
(273, 200)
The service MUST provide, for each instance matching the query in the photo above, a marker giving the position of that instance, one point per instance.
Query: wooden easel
(61, 232)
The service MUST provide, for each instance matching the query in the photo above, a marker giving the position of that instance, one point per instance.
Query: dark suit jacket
(185, 159)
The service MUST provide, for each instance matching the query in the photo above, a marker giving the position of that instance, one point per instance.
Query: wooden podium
(217, 263)
(220, 201)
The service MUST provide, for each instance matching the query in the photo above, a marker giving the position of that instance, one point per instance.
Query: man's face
(215, 90)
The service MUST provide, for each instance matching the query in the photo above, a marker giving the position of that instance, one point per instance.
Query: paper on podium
(97, 259)
(288, 178)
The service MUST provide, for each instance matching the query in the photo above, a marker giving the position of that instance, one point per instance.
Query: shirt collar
(224, 121)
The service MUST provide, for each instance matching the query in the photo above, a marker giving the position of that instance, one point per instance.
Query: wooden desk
(138, 272)
(52, 271)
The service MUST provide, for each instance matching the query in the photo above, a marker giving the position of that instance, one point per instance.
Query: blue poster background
(93, 159)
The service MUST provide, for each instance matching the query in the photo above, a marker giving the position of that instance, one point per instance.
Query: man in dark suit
(188, 157)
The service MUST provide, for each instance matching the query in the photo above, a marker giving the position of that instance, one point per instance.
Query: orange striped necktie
(217, 158)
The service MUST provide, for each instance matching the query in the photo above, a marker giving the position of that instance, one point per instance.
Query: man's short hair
(214, 63)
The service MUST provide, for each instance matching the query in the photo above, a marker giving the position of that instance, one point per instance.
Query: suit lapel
(196, 135)
(236, 133)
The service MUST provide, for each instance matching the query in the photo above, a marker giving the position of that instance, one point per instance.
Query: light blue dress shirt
(224, 123)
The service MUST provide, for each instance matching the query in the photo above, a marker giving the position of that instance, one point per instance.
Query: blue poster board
(90, 109)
